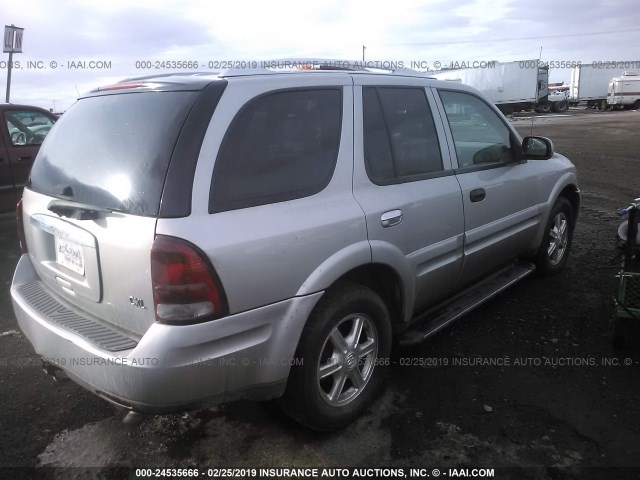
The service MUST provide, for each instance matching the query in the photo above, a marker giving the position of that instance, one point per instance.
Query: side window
(27, 127)
(280, 147)
(400, 139)
(479, 134)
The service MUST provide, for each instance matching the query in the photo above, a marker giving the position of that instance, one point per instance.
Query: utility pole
(12, 44)
(363, 49)
(9, 67)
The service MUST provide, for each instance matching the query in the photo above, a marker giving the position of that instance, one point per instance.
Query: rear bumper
(172, 368)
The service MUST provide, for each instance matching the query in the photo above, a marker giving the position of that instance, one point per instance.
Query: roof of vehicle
(181, 81)
(17, 106)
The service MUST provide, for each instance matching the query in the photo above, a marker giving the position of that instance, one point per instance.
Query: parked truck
(624, 91)
(512, 86)
(590, 82)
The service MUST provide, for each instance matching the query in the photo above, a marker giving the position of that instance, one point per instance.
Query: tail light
(21, 235)
(186, 288)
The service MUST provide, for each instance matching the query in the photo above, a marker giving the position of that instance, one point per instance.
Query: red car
(22, 130)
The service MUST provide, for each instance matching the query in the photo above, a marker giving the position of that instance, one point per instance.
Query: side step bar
(432, 321)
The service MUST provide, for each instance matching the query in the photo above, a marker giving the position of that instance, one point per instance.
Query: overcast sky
(122, 32)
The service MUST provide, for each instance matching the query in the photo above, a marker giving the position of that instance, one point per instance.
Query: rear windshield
(113, 151)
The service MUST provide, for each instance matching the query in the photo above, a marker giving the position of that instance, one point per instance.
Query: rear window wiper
(77, 211)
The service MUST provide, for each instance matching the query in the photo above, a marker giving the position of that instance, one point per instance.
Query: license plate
(69, 254)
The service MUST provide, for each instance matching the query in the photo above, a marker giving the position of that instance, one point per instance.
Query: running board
(463, 303)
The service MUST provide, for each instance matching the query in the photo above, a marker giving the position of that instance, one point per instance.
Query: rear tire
(545, 107)
(562, 107)
(556, 241)
(344, 351)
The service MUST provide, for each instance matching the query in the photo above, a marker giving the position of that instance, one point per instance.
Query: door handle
(26, 158)
(477, 195)
(389, 219)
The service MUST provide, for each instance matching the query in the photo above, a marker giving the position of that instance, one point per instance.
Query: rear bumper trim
(53, 311)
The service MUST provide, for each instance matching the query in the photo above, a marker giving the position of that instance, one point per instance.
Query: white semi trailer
(624, 91)
(590, 82)
(512, 86)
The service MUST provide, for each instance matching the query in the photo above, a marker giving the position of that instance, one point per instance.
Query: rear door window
(113, 151)
(400, 138)
(281, 146)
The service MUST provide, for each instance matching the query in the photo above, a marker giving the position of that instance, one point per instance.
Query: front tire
(556, 241)
(344, 351)
(562, 107)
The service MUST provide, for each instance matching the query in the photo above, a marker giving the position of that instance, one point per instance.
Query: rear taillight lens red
(186, 288)
(20, 225)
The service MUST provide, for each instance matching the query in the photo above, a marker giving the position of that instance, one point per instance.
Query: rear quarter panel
(267, 253)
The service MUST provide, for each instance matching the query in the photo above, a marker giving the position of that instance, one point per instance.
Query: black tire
(307, 398)
(622, 332)
(545, 107)
(562, 107)
(546, 262)
(636, 105)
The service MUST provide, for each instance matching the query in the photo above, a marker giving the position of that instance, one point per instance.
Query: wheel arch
(572, 193)
(385, 282)
(387, 275)
(566, 188)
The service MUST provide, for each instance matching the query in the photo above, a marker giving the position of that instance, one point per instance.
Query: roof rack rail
(334, 64)
(297, 65)
(168, 74)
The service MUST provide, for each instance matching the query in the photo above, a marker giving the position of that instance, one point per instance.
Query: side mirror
(537, 148)
(18, 138)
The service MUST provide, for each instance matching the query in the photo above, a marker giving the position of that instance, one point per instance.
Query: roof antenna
(77, 91)
(537, 90)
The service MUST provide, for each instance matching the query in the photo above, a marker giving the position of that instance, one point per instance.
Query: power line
(512, 39)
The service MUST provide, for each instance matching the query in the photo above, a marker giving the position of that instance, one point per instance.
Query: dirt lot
(565, 406)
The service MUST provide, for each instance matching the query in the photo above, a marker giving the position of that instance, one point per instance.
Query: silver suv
(207, 237)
